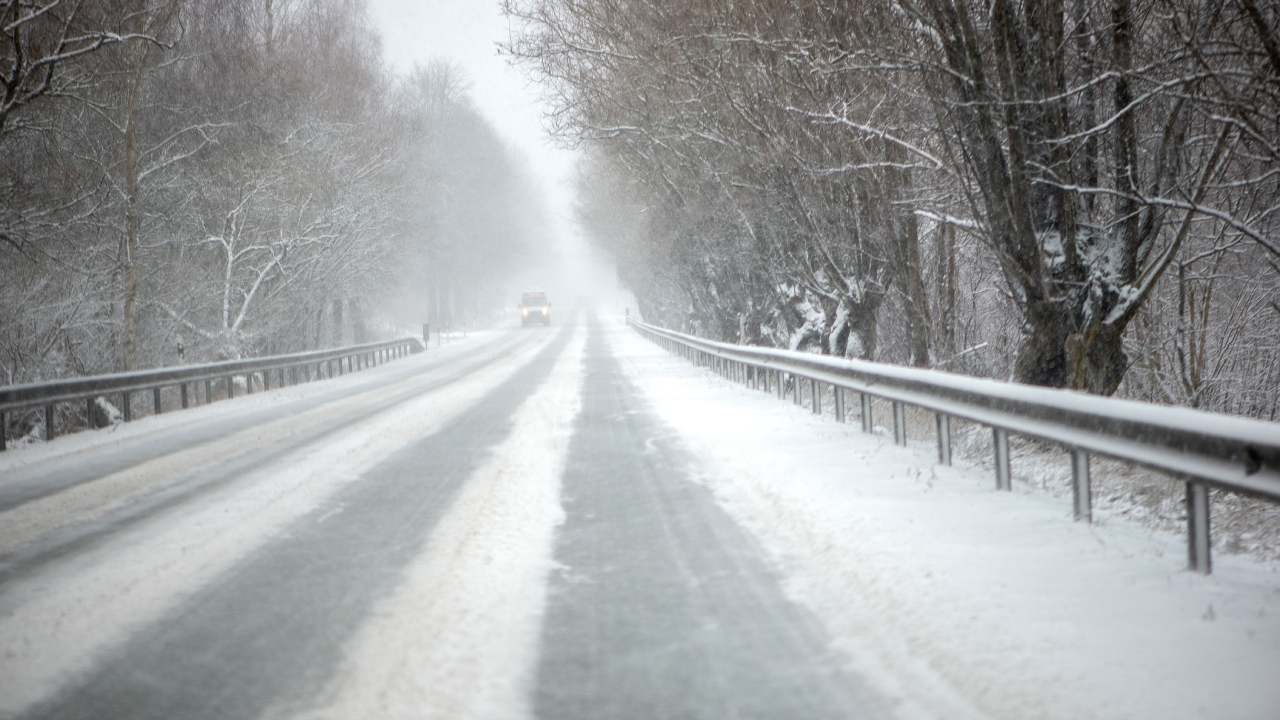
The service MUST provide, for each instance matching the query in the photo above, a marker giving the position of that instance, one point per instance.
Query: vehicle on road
(534, 309)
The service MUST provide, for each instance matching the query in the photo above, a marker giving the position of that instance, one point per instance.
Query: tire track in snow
(174, 618)
(89, 512)
(458, 639)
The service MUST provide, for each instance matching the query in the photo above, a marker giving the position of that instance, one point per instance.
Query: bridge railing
(1200, 449)
(286, 369)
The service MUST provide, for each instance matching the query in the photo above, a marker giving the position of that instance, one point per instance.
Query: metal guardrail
(1203, 449)
(308, 366)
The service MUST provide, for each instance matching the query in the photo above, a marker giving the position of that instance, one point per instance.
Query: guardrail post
(867, 420)
(837, 400)
(266, 379)
(48, 422)
(4, 432)
(88, 410)
(1199, 547)
(231, 388)
(815, 397)
(208, 390)
(943, 422)
(777, 378)
(797, 390)
(124, 406)
(1000, 439)
(155, 400)
(183, 386)
(248, 383)
(899, 424)
(1081, 492)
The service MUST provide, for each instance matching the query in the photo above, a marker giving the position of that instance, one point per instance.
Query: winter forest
(197, 181)
(1073, 193)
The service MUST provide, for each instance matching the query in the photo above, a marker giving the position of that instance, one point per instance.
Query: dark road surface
(664, 607)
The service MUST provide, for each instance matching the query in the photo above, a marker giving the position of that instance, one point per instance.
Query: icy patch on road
(56, 623)
(458, 639)
(960, 600)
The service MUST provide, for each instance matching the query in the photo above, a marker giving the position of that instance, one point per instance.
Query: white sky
(466, 33)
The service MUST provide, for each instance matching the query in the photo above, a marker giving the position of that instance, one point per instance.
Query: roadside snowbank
(960, 600)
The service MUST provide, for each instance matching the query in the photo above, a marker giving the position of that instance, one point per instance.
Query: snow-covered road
(568, 523)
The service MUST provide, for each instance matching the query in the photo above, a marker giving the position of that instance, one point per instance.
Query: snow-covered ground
(56, 623)
(410, 523)
(962, 601)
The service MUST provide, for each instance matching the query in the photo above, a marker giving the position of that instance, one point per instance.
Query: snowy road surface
(568, 523)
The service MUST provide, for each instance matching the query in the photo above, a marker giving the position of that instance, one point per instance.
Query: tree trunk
(917, 300)
(338, 327)
(133, 220)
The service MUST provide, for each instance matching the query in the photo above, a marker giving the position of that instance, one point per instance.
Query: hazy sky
(466, 32)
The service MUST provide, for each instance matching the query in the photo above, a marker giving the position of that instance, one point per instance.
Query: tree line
(236, 178)
(1071, 193)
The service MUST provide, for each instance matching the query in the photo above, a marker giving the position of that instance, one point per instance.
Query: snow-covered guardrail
(1203, 449)
(289, 369)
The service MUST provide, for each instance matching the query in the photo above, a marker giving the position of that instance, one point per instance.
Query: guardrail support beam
(943, 423)
(815, 397)
(155, 400)
(1000, 439)
(1199, 545)
(48, 422)
(184, 395)
(4, 432)
(899, 424)
(837, 402)
(125, 408)
(1081, 492)
(868, 423)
